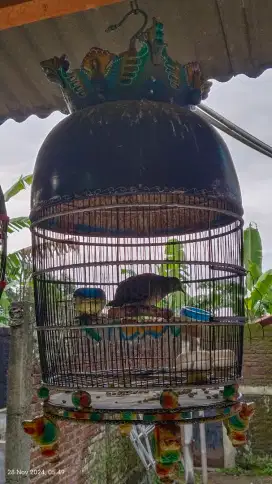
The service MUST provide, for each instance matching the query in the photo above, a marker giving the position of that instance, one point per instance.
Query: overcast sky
(246, 102)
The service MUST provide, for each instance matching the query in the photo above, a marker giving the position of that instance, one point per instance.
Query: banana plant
(258, 286)
(176, 266)
(19, 263)
(258, 300)
(18, 223)
(253, 255)
(222, 294)
(18, 268)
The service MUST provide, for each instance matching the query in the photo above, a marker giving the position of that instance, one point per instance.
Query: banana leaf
(4, 308)
(18, 223)
(128, 272)
(262, 291)
(19, 265)
(21, 184)
(253, 255)
(174, 251)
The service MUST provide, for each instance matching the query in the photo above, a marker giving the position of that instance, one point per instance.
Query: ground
(219, 478)
(216, 478)
(228, 479)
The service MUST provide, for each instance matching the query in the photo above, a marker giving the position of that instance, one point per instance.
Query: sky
(246, 102)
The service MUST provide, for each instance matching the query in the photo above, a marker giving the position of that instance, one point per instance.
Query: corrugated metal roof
(227, 37)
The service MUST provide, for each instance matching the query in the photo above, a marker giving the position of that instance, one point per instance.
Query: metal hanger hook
(134, 10)
(134, 6)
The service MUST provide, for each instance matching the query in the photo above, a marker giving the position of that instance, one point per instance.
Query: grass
(180, 478)
(249, 465)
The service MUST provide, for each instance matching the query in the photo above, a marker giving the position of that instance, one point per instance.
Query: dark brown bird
(144, 290)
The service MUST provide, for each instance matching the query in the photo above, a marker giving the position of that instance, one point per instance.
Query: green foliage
(17, 224)
(180, 477)
(19, 262)
(18, 266)
(253, 256)
(112, 459)
(260, 296)
(223, 295)
(4, 307)
(21, 184)
(128, 272)
(258, 300)
(250, 465)
(175, 255)
(18, 277)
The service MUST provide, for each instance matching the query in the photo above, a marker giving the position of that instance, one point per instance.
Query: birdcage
(136, 220)
(137, 249)
(3, 241)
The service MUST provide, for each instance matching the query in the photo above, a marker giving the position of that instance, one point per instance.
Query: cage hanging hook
(134, 6)
(134, 10)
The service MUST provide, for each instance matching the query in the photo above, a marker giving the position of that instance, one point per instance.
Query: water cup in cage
(195, 314)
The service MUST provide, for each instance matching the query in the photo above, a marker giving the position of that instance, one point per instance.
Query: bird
(144, 290)
(89, 303)
(89, 300)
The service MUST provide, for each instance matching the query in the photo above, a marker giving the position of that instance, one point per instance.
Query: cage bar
(139, 347)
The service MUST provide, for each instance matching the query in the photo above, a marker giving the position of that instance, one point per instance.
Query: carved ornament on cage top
(144, 71)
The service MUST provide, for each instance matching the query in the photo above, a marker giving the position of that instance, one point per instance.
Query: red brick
(35, 453)
(257, 369)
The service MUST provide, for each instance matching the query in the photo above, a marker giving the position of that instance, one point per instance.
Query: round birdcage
(3, 242)
(137, 250)
(136, 219)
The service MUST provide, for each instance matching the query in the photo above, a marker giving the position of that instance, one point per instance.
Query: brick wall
(260, 434)
(257, 371)
(74, 440)
(257, 368)
(73, 443)
(88, 452)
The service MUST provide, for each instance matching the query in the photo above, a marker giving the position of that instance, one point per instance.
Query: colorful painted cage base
(234, 413)
(142, 406)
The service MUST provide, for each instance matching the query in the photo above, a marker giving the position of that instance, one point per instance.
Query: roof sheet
(227, 37)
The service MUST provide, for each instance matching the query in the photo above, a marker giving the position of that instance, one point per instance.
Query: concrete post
(229, 451)
(17, 461)
(203, 447)
(187, 454)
